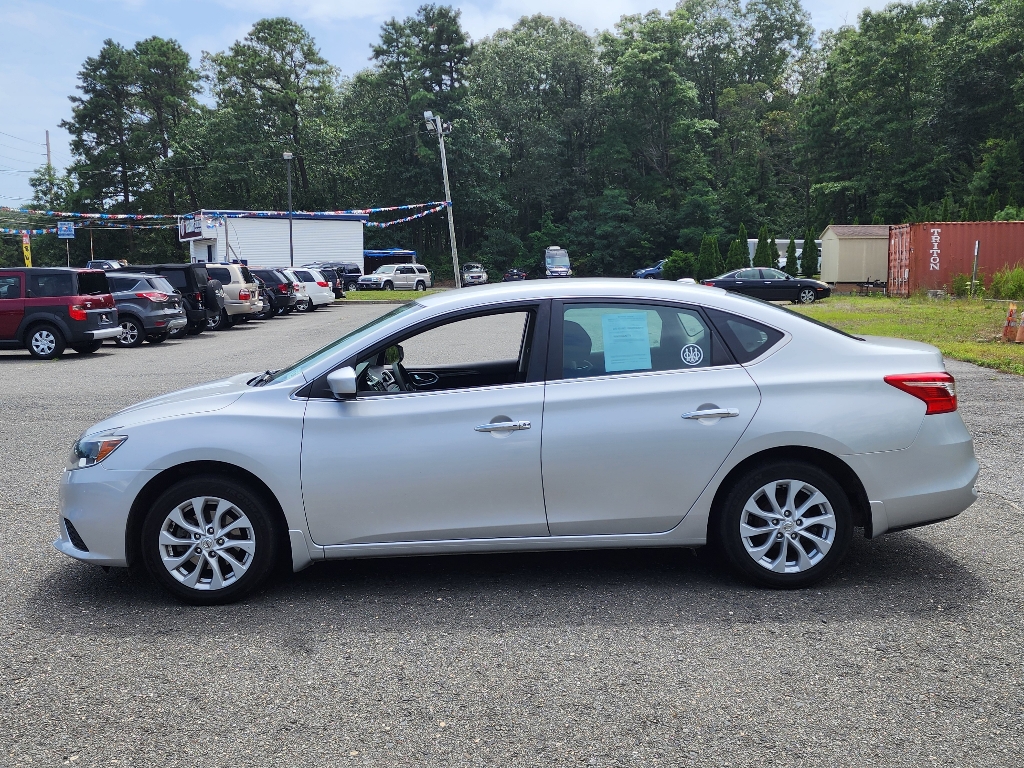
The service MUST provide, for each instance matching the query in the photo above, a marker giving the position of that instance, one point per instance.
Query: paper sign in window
(627, 345)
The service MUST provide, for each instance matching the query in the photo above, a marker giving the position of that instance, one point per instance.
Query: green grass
(388, 295)
(968, 330)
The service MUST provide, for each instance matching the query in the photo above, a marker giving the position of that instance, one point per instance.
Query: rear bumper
(932, 480)
(237, 307)
(105, 333)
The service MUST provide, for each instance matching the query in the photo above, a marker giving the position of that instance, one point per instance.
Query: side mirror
(342, 382)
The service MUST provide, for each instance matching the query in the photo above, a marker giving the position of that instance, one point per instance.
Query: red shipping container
(926, 256)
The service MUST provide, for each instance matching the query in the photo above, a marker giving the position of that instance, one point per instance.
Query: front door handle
(503, 426)
(712, 413)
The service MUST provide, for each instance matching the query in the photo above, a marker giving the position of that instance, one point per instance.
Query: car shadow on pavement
(900, 574)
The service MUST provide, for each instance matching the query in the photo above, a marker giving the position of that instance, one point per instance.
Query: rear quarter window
(55, 284)
(304, 276)
(747, 339)
(176, 277)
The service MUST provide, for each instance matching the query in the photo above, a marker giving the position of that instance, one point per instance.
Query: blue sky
(45, 43)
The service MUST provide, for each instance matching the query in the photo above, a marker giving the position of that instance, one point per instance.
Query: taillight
(199, 296)
(708, 282)
(153, 295)
(936, 390)
(282, 288)
(244, 295)
(77, 312)
(321, 283)
(297, 286)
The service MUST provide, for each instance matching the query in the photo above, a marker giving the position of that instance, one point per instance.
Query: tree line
(666, 136)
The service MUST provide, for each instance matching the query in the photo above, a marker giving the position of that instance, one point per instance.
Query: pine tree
(716, 255)
(992, 207)
(773, 249)
(947, 209)
(809, 257)
(971, 214)
(791, 265)
(705, 266)
(762, 254)
(739, 255)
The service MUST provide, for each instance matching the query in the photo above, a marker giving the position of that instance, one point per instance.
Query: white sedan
(594, 413)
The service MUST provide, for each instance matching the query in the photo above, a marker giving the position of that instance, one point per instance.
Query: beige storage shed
(853, 254)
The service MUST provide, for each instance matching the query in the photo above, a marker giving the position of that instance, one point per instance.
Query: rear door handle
(712, 413)
(503, 426)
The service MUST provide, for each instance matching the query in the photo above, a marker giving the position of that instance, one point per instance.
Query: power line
(12, 136)
(19, 149)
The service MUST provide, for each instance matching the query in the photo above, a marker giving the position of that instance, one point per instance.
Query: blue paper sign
(66, 230)
(627, 345)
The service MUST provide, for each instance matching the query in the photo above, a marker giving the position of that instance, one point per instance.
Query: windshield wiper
(262, 379)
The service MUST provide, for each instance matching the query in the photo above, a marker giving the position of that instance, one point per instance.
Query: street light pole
(291, 242)
(434, 125)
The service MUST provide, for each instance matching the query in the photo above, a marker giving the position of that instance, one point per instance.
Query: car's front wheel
(350, 286)
(389, 286)
(785, 525)
(209, 540)
(806, 296)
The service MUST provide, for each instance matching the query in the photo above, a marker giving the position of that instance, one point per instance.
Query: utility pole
(434, 125)
(48, 163)
(291, 243)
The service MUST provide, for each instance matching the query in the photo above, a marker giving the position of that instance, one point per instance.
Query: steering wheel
(402, 377)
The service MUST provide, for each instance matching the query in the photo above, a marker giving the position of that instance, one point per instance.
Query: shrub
(677, 265)
(1008, 283)
(960, 286)
(791, 265)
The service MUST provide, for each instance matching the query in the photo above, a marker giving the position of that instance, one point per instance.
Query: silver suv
(401, 277)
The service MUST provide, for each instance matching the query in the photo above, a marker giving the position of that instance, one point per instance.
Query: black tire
(45, 341)
(420, 285)
(87, 349)
(806, 296)
(726, 533)
(388, 286)
(310, 306)
(351, 287)
(215, 322)
(157, 338)
(133, 332)
(265, 531)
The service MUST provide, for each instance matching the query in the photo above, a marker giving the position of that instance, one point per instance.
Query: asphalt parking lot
(910, 656)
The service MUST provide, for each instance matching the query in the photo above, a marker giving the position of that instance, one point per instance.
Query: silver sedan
(530, 416)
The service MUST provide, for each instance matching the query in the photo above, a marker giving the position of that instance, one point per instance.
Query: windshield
(385, 270)
(302, 365)
(556, 259)
(472, 268)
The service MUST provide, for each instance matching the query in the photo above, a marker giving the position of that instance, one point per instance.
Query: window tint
(748, 274)
(92, 284)
(421, 269)
(773, 274)
(119, 284)
(599, 339)
(304, 276)
(161, 284)
(219, 273)
(747, 339)
(176, 277)
(53, 284)
(202, 276)
(10, 286)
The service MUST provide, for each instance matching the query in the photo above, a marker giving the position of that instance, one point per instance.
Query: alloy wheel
(129, 334)
(207, 543)
(43, 342)
(787, 526)
(807, 296)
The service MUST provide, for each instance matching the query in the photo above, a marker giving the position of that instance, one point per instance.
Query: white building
(262, 239)
(783, 246)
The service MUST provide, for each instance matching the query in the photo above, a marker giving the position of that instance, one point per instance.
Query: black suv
(201, 296)
(348, 273)
(46, 309)
(148, 308)
(280, 289)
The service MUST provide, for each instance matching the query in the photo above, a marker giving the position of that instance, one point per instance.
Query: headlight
(547, 272)
(568, 272)
(89, 451)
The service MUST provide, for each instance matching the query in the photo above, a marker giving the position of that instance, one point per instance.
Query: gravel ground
(910, 656)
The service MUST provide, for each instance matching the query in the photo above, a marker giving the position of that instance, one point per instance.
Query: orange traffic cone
(1011, 328)
(1019, 338)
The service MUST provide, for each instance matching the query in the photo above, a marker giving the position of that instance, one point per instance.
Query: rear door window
(54, 284)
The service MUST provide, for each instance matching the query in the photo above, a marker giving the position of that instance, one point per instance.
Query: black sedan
(771, 285)
(513, 274)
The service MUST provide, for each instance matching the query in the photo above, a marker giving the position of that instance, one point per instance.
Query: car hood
(203, 398)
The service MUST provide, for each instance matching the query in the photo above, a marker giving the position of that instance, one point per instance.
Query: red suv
(47, 309)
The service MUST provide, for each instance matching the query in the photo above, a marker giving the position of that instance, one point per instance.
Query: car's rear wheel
(311, 307)
(209, 540)
(214, 322)
(785, 525)
(132, 333)
(420, 285)
(806, 296)
(87, 349)
(350, 286)
(45, 342)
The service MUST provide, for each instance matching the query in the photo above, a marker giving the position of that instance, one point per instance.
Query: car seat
(577, 347)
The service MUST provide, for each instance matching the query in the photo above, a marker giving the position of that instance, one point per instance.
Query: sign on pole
(26, 249)
(66, 230)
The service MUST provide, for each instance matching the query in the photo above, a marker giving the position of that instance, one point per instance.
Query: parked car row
(760, 282)
(50, 309)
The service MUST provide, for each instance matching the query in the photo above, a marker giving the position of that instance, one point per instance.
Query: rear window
(54, 284)
(92, 284)
(304, 276)
(201, 275)
(219, 273)
(246, 274)
(421, 270)
(269, 276)
(747, 339)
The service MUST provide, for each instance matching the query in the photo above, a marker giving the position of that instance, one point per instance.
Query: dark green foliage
(809, 255)
(708, 258)
(764, 255)
(678, 265)
(773, 249)
(791, 267)
(971, 212)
